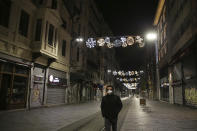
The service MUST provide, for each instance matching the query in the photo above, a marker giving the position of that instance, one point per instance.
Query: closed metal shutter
(55, 96)
(178, 97)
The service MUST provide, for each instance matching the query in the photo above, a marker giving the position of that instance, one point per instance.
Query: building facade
(176, 23)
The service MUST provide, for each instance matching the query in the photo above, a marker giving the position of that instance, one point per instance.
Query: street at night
(98, 65)
(155, 116)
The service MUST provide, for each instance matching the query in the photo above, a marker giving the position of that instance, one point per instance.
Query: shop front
(56, 87)
(164, 89)
(14, 79)
(37, 85)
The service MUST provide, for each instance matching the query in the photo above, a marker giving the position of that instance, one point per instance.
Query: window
(64, 23)
(63, 48)
(55, 38)
(54, 4)
(4, 12)
(50, 36)
(77, 53)
(46, 31)
(38, 29)
(24, 23)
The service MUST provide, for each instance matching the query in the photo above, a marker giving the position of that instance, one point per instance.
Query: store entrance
(4, 91)
(13, 86)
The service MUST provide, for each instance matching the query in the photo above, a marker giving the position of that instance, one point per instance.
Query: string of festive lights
(118, 41)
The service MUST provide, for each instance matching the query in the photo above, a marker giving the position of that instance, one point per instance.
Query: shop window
(50, 36)
(7, 67)
(21, 70)
(38, 29)
(4, 12)
(56, 82)
(18, 91)
(63, 48)
(24, 23)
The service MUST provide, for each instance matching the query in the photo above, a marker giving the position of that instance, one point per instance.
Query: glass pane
(21, 70)
(7, 67)
(19, 90)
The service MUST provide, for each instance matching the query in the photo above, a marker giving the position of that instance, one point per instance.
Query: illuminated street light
(80, 39)
(151, 36)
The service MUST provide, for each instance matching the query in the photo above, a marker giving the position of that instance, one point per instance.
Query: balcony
(46, 33)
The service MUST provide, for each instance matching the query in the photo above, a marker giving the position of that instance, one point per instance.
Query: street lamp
(153, 37)
(79, 39)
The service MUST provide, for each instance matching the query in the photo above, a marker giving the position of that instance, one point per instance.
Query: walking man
(110, 107)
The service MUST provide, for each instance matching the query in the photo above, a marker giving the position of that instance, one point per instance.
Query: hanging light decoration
(101, 42)
(91, 43)
(139, 40)
(123, 41)
(115, 73)
(130, 40)
(119, 73)
(109, 45)
(124, 44)
(132, 73)
(117, 43)
(127, 74)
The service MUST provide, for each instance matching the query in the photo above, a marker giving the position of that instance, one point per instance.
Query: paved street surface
(159, 116)
(46, 119)
(155, 116)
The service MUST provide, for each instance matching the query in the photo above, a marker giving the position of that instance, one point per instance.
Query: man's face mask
(109, 91)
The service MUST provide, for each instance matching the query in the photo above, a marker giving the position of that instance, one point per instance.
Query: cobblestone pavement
(159, 116)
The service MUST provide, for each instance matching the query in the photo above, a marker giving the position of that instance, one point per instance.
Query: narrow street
(155, 116)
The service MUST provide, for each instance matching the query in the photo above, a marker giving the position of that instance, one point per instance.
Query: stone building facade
(176, 23)
(40, 62)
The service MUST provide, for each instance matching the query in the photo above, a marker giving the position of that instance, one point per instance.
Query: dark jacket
(111, 106)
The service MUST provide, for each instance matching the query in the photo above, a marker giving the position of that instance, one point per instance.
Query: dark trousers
(109, 123)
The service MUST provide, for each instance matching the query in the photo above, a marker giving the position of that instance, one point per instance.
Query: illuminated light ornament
(141, 44)
(115, 73)
(130, 79)
(101, 42)
(132, 73)
(117, 78)
(91, 43)
(123, 41)
(119, 72)
(117, 43)
(107, 40)
(109, 45)
(120, 79)
(135, 79)
(139, 40)
(109, 71)
(130, 40)
(124, 44)
(127, 74)
(136, 72)
(141, 72)
(123, 74)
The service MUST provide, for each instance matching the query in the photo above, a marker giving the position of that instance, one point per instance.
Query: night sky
(129, 17)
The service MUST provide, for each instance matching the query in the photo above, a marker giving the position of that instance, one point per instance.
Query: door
(5, 91)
